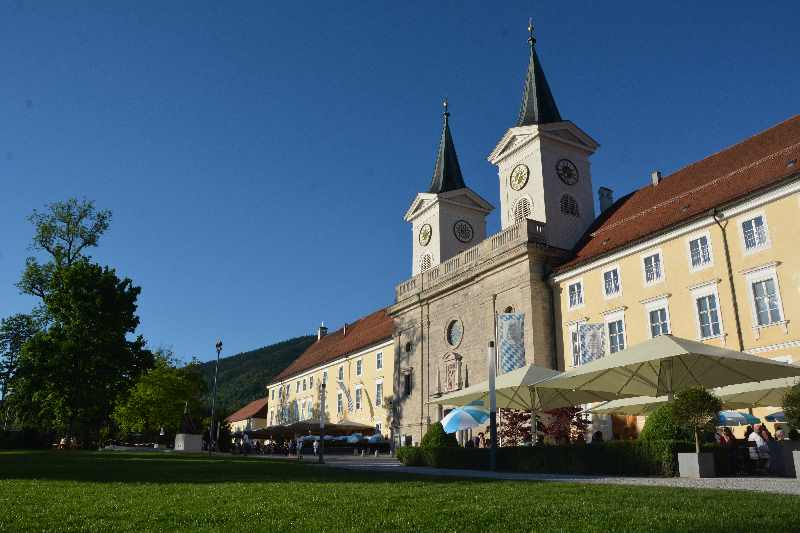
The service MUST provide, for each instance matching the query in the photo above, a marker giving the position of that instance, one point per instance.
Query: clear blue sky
(258, 156)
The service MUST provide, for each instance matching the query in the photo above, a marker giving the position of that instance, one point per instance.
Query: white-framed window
(341, 373)
(755, 233)
(574, 344)
(325, 377)
(615, 330)
(657, 312)
(272, 394)
(311, 382)
(297, 388)
(270, 417)
(765, 297)
(699, 249)
(612, 285)
(339, 403)
(379, 393)
(358, 398)
(575, 294)
(653, 267)
(359, 367)
(379, 360)
(378, 427)
(304, 384)
(709, 319)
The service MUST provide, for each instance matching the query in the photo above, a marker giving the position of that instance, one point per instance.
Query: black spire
(446, 174)
(538, 104)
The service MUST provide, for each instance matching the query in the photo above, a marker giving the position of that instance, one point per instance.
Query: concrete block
(796, 456)
(185, 442)
(696, 465)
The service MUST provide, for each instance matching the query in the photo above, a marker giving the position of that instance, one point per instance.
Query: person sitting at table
(731, 446)
(760, 452)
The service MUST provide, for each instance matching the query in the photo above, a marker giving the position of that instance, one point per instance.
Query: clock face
(425, 233)
(519, 177)
(463, 231)
(567, 171)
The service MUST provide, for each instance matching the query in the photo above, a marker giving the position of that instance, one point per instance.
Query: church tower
(543, 164)
(449, 217)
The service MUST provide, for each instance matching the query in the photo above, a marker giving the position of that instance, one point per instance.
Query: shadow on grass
(115, 467)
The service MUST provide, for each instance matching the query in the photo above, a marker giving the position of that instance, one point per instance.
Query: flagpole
(491, 364)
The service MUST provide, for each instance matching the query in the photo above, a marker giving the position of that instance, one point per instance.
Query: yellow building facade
(356, 365)
(728, 275)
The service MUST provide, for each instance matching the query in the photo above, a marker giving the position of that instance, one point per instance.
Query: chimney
(344, 329)
(655, 177)
(606, 196)
(322, 331)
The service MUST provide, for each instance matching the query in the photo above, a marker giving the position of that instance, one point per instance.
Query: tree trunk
(697, 441)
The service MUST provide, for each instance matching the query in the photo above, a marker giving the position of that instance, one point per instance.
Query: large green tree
(69, 375)
(160, 396)
(64, 231)
(15, 331)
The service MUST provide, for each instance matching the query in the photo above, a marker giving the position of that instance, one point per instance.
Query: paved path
(389, 464)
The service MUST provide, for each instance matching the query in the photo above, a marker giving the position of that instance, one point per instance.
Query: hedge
(26, 439)
(620, 458)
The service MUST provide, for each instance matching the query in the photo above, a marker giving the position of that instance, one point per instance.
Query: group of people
(763, 451)
(479, 441)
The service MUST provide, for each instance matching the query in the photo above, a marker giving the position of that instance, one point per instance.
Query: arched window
(425, 263)
(569, 206)
(522, 209)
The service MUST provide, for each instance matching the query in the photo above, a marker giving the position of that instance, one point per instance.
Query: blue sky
(258, 156)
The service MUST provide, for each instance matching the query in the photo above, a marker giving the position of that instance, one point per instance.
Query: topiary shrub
(791, 406)
(435, 437)
(660, 425)
(411, 456)
(696, 409)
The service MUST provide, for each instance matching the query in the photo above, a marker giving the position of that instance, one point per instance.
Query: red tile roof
(251, 410)
(362, 333)
(731, 174)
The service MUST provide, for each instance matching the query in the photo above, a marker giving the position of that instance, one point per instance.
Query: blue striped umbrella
(736, 418)
(780, 416)
(466, 417)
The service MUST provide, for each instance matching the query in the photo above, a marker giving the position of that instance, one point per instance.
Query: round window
(454, 333)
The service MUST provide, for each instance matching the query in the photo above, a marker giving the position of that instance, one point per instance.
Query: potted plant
(791, 409)
(696, 409)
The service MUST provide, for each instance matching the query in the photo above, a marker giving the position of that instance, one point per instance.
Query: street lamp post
(211, 437)
(320, 458)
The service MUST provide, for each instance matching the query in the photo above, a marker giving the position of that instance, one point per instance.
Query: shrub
(435, 437)
(411, 456)
(26, 439)
(791, 406)
(695, 409)
(660, 425)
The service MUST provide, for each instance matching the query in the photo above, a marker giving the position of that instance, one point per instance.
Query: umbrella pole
(491, 362)
(534, 425)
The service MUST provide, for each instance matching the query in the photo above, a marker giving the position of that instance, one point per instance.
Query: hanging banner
(346, 393)
(591, 342)
(510, 341)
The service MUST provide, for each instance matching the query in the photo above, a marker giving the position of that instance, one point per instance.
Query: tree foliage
(64, 231)
(435, 437)
(565, 424)
(791, 406)
(70, 374)
(696, 409)
(160, 396)
(660, 425)
(515, 427)
(15, 331)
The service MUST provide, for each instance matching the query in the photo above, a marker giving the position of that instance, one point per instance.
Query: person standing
(315, 446)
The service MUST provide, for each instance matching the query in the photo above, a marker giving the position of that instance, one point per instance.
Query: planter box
(185, 442)
(696, 465)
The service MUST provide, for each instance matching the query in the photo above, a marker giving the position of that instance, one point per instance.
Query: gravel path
(388, 464)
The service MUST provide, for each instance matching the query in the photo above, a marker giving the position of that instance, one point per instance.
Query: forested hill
(243, 377)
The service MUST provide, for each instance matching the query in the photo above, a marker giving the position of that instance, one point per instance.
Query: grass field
(62, 491)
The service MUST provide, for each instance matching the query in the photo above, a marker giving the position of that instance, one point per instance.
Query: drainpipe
(718, 216)
(553, 325)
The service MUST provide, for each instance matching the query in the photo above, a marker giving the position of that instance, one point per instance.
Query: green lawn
(153, 492)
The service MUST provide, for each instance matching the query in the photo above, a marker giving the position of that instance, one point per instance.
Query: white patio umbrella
(667, 364)
(744, 395)
(518, 390)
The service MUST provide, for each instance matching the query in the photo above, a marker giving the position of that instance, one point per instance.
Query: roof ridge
(698, 188)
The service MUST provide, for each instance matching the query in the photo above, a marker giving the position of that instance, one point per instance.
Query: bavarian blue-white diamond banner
(591, 342)
(510, 341)
(346, 393)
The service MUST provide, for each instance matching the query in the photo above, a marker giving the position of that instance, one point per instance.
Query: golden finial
(444, 104)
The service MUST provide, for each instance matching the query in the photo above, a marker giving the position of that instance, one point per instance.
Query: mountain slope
(243, 377)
